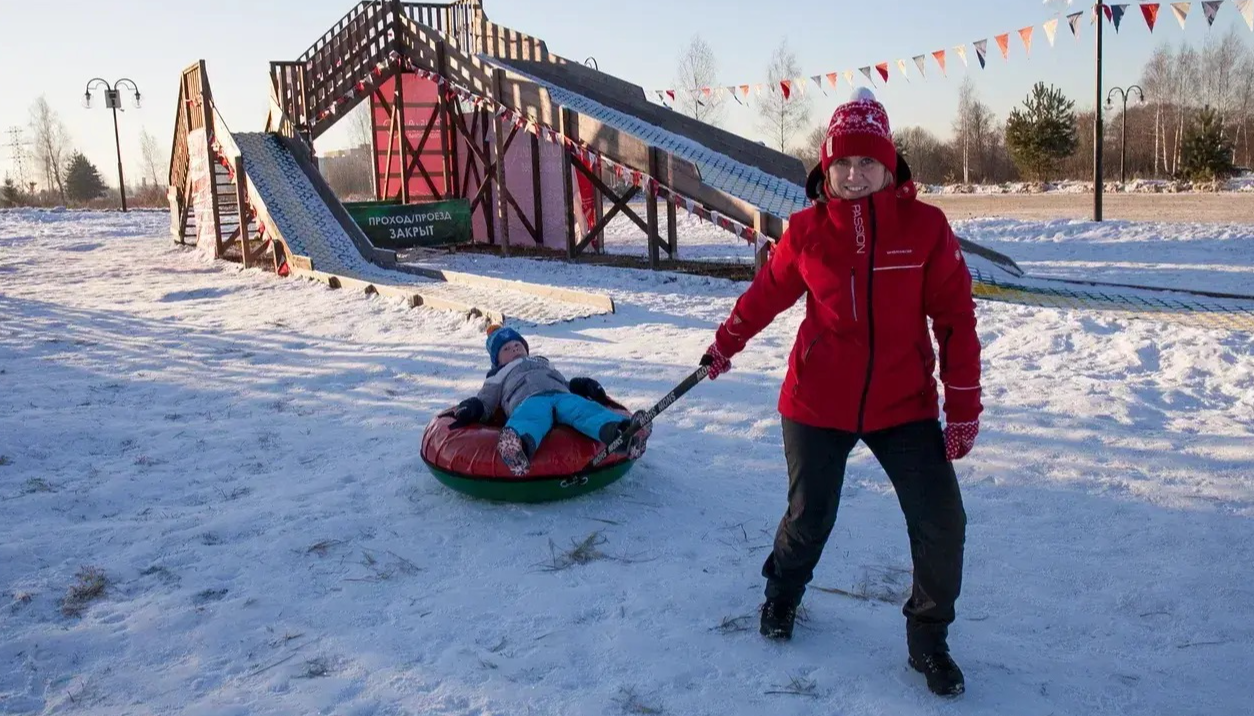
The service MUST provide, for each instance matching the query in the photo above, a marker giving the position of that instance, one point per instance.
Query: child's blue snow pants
(535, 416)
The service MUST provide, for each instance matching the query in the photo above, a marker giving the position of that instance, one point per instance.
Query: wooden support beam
(502, 205)
(536, 195)
(672, 229)
(650, 205)
(241, 202)
(399, 107)
(619, 205)
(447, 152)
(568, 184)
(760, 244)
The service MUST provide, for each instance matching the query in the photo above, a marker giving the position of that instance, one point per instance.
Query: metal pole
(1123, 140)
(1097, 121)
(118, 143)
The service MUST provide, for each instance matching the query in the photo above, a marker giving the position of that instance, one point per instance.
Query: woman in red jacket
(874, 265)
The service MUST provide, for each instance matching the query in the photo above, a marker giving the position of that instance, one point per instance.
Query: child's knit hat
(498, 336)
(859, 128)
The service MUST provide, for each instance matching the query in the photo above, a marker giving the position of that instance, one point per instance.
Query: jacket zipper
(853, 293)
(870, 316)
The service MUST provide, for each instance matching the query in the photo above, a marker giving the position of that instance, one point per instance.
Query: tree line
(1194, 123)
(63, 176)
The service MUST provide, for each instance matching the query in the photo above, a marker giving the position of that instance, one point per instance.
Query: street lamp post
(1099, 9)
(1123, 132)
(113, 101)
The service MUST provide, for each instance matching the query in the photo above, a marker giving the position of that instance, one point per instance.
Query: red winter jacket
(873, 271)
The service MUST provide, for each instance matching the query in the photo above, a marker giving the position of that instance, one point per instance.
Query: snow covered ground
(238, 457)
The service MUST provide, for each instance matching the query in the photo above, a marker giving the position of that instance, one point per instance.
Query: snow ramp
(257, 197)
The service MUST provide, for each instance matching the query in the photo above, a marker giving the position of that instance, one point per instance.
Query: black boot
(944, 678)
(778, 616)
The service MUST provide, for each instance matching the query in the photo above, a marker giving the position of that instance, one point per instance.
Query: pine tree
(1206, 155)
(10, 194)
(82, 179)
(1042, 133)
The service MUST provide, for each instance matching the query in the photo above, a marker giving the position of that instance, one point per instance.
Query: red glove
(716, 360)
(960, 438)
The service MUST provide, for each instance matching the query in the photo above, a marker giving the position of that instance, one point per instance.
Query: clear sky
(54, 48)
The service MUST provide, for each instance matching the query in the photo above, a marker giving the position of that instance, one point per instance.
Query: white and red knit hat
(859, 128)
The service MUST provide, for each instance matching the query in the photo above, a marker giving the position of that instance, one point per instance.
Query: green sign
(406, 226)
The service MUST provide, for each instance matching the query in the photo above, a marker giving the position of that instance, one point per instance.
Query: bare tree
(362, 125)
(808, 150)
(156, 163)
(781, 118)
(52, 145)
(974, 131)
(698, 71)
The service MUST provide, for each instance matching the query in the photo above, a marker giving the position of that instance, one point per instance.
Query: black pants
(913, 455)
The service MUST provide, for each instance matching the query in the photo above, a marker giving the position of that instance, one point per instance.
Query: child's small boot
(512, 448)
(635, 446)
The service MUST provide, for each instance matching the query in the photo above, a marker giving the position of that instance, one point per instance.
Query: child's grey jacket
(508, 386)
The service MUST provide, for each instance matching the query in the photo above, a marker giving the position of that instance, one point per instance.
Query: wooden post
(598, 213)
(565, 127)
(446, 124)
(374, 151)
(760, 244)
(306, 121)
(398, 106)
(536, 189)
(672, 231)
(211, 163)
(241, 201)
(650, 205)
(489, 206)
(502, 204)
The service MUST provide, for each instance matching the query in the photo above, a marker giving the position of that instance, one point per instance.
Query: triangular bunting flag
(705, 91)
(1026, 35)
(1211, 8)
(799, 84)
(661, 97)
(818, 80)
(849, 77)
(671, 94)
(744, 90)
(831, 79)
(1051, 29)
(1150, 11)
(940, 60)
(786, 87)
(732, 90)
(918, 61)
(1181, 10)
(867, 71)
(962, 52)
(901, 65)
(1003, 42)
(883, 70)
(981, 50)
(757, 89)
(1116, 16)
(1246, 8)
(1074, 21)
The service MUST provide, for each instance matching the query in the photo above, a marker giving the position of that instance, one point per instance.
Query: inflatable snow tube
(466, 461)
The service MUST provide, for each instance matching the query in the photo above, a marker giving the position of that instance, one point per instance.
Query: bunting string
(877, 73)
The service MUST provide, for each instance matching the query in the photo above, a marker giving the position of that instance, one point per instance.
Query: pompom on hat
(859, 128)
(498, 336)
